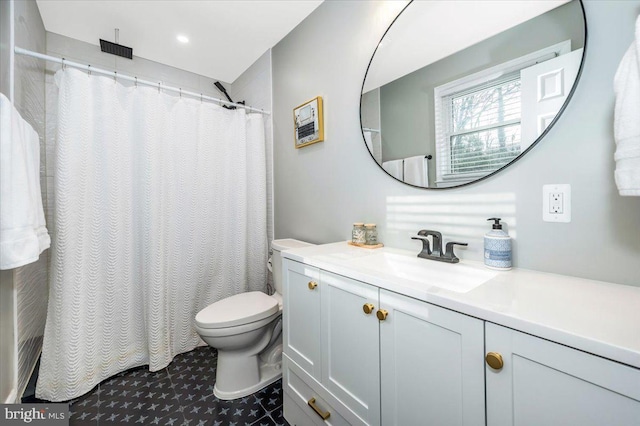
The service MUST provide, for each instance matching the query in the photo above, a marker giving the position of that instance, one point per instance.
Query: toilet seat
(238, 310)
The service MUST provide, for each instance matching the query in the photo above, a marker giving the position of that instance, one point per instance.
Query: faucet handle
(449, 251)
(426, 246)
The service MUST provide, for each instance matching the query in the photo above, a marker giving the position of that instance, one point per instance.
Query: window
(478, 119)
(483, 132)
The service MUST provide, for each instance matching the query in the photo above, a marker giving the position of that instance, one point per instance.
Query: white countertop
(594, 316)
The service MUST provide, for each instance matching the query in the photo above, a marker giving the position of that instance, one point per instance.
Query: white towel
(373, 144)
(626, 127)
(367, 140)
(394, 168)
(23, 234)
(416, 171)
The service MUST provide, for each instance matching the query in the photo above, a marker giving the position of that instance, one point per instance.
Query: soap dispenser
(497, 247)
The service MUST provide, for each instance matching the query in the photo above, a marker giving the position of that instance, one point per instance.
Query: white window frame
(496, 73)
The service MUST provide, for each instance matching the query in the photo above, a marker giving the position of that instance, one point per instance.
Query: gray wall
(322, 189)
(407, 105)
(23, 290)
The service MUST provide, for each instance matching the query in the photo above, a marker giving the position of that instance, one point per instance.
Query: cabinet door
(432, 364)
(544, 383)
(350, 342)
(301, 315)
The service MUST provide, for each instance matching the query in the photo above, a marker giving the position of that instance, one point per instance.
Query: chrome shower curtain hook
(159, 86)
(63, 65)
(200, 97)
(136, 83)
(89, 70)
(180, 89)
(115, 74)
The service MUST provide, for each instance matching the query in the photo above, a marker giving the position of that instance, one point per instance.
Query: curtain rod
(136, 80)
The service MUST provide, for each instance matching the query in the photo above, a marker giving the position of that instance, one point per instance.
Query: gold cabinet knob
(382, 314)
(368, 308)
(312, 285)
(494, 359)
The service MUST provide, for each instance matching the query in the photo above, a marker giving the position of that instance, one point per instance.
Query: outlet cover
(556, 203)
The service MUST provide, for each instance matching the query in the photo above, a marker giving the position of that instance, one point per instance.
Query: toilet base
(269, 373)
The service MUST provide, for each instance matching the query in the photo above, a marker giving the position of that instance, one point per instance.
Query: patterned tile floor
(181, 394)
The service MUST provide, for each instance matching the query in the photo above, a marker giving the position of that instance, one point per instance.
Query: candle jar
(371, 234)
(358, 235)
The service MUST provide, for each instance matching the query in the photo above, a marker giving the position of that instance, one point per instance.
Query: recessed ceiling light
(182, 38)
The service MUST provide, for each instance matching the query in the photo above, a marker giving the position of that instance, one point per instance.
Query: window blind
(482, 128)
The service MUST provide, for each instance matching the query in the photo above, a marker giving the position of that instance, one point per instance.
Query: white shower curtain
(160, 210)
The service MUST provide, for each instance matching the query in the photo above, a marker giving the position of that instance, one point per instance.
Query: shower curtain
(160, 210)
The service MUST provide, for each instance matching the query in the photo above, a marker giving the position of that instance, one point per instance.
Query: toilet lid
(243, 308)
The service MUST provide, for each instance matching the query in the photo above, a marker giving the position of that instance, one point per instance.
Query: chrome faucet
(436, 253)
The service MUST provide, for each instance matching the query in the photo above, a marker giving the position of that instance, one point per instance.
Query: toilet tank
(276, 259)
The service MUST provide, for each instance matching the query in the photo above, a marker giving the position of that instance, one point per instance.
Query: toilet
(246, 330)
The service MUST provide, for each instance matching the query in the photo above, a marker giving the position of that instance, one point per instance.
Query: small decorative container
(371, 234)
(358, 235)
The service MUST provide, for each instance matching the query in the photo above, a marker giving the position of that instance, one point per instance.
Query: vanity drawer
(300, 388)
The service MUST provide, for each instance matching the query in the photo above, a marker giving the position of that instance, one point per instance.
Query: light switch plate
(556, 203)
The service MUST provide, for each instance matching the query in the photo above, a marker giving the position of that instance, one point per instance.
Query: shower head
(115, 48)
(222, 90)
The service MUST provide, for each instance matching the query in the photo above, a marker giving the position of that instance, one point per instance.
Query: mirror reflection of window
(478, 98)
(483, 121)
(484, 130)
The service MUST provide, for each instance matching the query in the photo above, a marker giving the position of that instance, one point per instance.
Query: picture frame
(308, 121)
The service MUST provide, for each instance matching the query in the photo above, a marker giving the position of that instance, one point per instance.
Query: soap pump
(497, 247)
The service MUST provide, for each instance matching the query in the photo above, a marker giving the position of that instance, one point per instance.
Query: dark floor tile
(193, 375)
(134, 388)
(85, 409)
(190, 361)
(85, 418)
(82, 422)
(181, 394)
(142, 404)
(271, 396)
(238, 412)
(277, 416)
(265, 421)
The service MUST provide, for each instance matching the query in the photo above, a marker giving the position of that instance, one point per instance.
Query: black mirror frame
(542, 135)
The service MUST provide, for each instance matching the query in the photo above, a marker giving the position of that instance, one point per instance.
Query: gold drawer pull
(494, 359)
(312, 285)
(368, 308)
(382, 314)
(312, 404)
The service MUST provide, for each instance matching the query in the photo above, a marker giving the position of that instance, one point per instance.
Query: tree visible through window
(484, 127)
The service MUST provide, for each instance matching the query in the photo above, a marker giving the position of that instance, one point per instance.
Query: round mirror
(458, 90)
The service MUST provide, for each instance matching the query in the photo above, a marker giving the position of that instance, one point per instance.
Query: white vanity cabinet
(432, 364)
(301, 317)
(544, 383)
(386, 359)
(351, 345)
(374, 341)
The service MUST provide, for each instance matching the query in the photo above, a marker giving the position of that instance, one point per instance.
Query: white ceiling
(225, 37)
(432, 30)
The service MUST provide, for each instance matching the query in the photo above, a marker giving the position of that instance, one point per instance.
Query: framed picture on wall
(308, 123)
